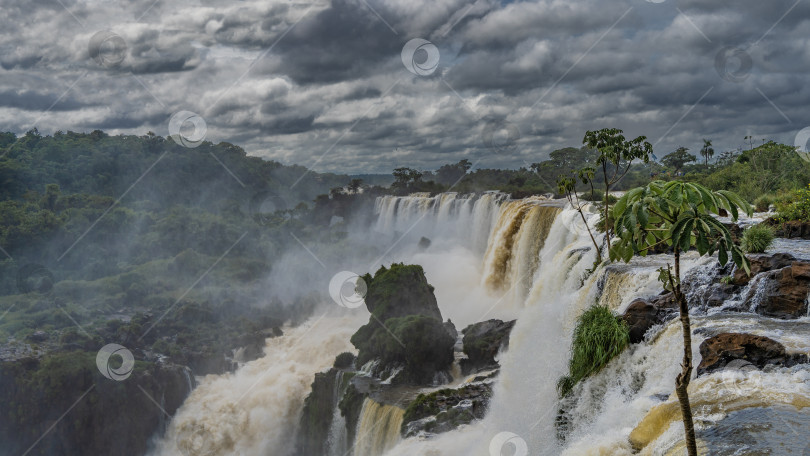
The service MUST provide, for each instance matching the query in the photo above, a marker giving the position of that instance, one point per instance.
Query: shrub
(598, 338)
(598, 196)
(795, 208)
(757, 238)
(764, 202)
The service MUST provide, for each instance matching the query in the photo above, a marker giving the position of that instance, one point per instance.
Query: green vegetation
(757, 238)
(794, 207)
(679, 215)
(599, 337)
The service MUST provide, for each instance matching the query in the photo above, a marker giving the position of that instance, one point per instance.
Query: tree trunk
(607, 211)
(682, 381)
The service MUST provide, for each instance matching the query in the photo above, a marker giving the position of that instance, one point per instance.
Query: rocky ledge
(741, 351)
(778, 287)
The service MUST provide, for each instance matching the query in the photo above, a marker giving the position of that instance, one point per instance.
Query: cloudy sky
(340, 85)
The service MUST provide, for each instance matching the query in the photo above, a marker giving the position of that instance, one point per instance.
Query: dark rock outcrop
(446, 409)
(761, 263)
(720, 350)
(405, 332)
(794, 229)
(106, 416)
(400, 291)
(482, 342)
(782, 293)
(642, 315)
(318, 412)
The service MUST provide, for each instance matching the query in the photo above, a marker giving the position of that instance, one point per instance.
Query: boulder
(446, 409)
(761, 263)
(482, 342)
(782, 293)
(723, 350)
(641, 315)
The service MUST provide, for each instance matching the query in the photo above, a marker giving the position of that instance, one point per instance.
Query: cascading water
(338, 439)
(513, 252)
(538, 255)
(467, 219)
(378, 429)
(255, 411)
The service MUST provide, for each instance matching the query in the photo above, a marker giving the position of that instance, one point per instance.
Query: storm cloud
(323, 83)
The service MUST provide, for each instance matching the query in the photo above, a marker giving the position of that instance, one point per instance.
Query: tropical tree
(405, 177)
(678, 159)
(616, 155)
(567, 185)
(678, 215)
(707, 151)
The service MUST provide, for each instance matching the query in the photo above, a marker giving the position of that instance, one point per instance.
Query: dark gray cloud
(291, 80)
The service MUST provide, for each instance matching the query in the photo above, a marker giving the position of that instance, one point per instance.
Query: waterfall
(537, 256)
(255, 410)
(337, 442)
(378, 429)
(513, 252)
(465, 219)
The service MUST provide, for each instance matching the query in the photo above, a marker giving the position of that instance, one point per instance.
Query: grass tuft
(598, 338)
(757, 238)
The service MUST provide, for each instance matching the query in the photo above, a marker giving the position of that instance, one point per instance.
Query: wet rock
(446, 409)
(641, 315)
(719, 294)
(316, 417)
(782, 293)
(424, 243)
(482, 342)
(738, 350)
(794, 229)
(405, 332)
(761, 263)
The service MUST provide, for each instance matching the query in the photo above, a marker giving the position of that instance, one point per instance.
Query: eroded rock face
(405, 332)
(106, 416)
(719, 351)
(762, 263)
(782, 293)
(641, 315)
(400, 291)
(795, 229)
(482, 342)
(446, 409)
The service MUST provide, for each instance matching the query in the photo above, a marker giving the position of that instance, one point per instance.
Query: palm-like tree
(707, 151)
(679, 215)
